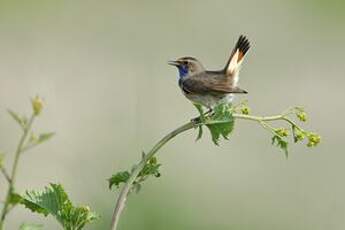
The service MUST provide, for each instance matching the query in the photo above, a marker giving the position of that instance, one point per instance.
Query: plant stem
(258, 118)
(14, 170)
(5, 173)
(121, 200)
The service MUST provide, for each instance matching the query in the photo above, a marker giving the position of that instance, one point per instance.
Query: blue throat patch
(183, 71)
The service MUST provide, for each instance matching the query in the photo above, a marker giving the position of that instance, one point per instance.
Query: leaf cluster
(151, 168)
(53, 200)
(220, 123)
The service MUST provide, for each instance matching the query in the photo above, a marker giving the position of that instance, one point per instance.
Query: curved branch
(121, 200)
(120, 203)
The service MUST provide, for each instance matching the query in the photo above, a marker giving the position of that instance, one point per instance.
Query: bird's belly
(210, 101)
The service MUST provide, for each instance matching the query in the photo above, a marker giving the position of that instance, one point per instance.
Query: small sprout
(282, 132)
(245, 110)
(37, 105)
(313, 139)
(150, 168)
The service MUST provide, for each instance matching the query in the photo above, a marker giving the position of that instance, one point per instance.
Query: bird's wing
(209, 84)
(233, 65)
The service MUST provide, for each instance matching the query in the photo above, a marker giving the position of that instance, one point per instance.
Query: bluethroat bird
(210, 88)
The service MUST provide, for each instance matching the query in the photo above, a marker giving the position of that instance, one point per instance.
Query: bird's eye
(185, 62)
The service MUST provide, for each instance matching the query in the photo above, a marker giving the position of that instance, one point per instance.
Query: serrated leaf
(150, 168)
(26, 226)
(118, 178)
(51, 199)
(221, 123)
(15, 199)
(54, 200)
(20, 120)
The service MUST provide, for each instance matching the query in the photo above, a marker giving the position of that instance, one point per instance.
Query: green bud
(302, 116)
(299, 135)
(37, 105)
(313, 139)
(282, 132)
(245, 110)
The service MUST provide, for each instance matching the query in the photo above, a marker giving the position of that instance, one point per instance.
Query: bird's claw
(196, 120)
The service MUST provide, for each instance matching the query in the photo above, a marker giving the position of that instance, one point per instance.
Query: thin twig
(14, 170)
(5, 173)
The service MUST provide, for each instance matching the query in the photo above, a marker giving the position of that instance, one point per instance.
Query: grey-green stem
(120, 204)
(14, 170)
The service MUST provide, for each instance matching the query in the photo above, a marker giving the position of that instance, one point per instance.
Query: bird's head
(187, 66)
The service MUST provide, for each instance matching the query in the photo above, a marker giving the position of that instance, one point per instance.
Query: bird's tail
(234, 63)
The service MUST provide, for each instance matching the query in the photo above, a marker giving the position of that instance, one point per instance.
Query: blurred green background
(101, 67)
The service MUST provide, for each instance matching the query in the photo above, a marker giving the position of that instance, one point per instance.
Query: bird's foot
(202, 117)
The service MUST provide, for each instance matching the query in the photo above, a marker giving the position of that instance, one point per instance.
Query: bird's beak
(174, 63)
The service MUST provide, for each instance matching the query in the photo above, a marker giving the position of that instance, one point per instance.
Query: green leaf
(15, 199)
(20, 120)
(54, 200)
(26, 226)
(44, 137)
(200, 132)
(150, 168)
(221, 123)
(282, 144)
(118, 178)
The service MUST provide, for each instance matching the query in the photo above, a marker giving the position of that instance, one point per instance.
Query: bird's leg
(209, 112)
